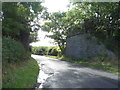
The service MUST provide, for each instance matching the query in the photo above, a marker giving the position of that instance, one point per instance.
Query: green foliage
(102, 56)
(17, 18)
(23, 75)
(40, 50)
(56, 26)
(54, 51)
(12, 22)
(33, 36)
(100, 19)
(13, 51)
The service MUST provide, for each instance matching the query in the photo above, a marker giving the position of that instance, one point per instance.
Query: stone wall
(85, 45)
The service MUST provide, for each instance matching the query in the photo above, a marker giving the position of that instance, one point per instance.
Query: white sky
(56, 5)
(53, 6)
(43, 40)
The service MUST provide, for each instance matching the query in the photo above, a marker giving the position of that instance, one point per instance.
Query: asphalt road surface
(56, 73)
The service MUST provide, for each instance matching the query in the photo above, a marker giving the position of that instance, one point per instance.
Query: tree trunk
(24, 38)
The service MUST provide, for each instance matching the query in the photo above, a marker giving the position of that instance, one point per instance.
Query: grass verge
(94, 63)
(23, 75)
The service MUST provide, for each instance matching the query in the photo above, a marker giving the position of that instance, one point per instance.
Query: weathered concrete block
(85, 45)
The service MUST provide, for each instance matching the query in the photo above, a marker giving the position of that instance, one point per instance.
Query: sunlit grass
(23, 75)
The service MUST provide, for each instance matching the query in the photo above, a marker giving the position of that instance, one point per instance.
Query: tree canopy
(101, 19)
(17, 19)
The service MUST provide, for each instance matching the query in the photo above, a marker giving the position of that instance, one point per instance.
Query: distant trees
(101, 19)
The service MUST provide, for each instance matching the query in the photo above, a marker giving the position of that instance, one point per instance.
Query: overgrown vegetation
(40, 50)
(22, 75)
(16, 28)
(100, 19)
(11, 52)
(19, 71)
(55, 51)
(17, 18)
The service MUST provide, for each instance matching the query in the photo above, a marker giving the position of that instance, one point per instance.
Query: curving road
(56, 73)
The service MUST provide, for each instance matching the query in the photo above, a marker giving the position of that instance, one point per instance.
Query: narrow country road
(56, 73)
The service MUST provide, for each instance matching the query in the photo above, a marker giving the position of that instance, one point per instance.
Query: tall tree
(17, 18)
(56, 26)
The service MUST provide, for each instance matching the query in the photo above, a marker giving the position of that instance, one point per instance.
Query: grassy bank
(23, 75)
(107, 65)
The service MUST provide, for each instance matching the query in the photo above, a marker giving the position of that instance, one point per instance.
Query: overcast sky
(53, 6)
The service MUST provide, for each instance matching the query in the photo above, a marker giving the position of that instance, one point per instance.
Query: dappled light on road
(63, 74)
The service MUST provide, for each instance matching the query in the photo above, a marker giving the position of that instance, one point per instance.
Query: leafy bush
(12, 51)
(40, 50)
(34, 50)
(102, 56)
(55, 51)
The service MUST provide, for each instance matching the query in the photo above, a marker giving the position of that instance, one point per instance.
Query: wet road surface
(56, 73)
